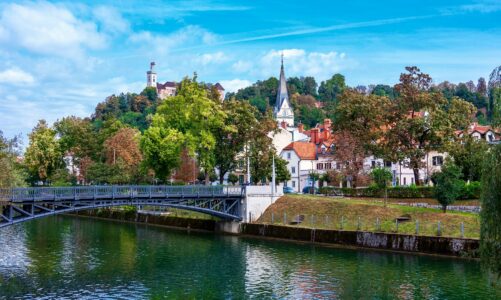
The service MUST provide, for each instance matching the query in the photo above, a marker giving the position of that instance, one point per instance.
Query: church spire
(283, 110)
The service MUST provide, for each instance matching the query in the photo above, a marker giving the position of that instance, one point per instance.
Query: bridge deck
(20, 204)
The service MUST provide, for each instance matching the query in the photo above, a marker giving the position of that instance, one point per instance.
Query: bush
(374, 192)
(471, 190)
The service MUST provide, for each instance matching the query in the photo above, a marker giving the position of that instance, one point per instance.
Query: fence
(444, 228)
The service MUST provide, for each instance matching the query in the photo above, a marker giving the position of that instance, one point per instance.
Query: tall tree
(482, 87)
(448, 184)
(420, 121)
(123, 147)
(11, 174)
(468, 153)
(187, 120)
(76, 136)
(490, 229)
(43, 155)
(240, 124)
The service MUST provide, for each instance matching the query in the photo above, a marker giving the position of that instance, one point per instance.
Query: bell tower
(283, 111)
(151, 76)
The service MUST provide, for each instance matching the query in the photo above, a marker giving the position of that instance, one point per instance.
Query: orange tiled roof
(305, 150)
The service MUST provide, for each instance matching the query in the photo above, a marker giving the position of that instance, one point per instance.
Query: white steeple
(283, 110)
(151, 76)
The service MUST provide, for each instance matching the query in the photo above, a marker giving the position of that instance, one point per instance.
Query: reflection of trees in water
(72, 255)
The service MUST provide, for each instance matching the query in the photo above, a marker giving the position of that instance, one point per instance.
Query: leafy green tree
(212, 176)
(496, 106)
(12, 174)
(187, 120)
(314, 177)
(384, 90)
(468, 154)
(448, 184)
(382, 178)
(43, 155)
(282, 174)
(490, 229)
(101, 173)
(240, 124)
(77, 136)
(310, 116)
(232, 178)
(331, 88)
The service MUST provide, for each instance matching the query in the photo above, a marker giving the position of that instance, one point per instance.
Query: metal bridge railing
(116, 192)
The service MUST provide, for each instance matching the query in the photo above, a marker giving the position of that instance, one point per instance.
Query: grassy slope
(323, 212)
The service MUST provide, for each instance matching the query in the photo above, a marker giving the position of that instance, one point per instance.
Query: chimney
(314, 135)
(283, 124)
(300, 127)
(327, 128)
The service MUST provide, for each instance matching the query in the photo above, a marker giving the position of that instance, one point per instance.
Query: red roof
(305, 150)
(168, 84)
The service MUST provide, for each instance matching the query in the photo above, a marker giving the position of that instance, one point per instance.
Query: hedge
(469, 191)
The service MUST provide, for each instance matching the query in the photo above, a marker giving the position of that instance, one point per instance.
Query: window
(373, 164)
(405, 180)
(293, 170)
(437, 160)
(328, 166)
(387, 164)
(338, 166)
(293, 184)
(320, 166)
(288, 155)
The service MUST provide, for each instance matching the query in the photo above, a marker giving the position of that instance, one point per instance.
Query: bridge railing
(112, 192)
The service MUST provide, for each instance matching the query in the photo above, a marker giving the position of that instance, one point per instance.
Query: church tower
(283, 110)
(151, 76)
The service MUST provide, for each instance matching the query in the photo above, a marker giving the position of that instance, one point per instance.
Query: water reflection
(83, 258)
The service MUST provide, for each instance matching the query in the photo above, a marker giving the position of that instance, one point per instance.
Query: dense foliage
(490, 232)
(448, 184)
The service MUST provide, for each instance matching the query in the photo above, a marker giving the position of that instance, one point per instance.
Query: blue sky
(61, 58)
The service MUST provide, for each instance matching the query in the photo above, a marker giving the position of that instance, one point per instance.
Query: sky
(61, 58)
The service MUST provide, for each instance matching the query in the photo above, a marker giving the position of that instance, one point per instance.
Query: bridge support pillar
(257, 199)
(232, 227)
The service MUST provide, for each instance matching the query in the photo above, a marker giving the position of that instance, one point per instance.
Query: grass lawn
(352, 214)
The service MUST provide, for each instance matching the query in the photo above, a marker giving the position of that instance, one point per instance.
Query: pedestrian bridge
(22, 204)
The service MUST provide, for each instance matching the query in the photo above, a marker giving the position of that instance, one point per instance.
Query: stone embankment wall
(387, 241)
(131, 216)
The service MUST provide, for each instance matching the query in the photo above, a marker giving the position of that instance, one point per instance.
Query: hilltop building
(168, 89)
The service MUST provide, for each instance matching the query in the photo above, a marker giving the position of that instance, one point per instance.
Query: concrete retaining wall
(388, 241)
(199, 224)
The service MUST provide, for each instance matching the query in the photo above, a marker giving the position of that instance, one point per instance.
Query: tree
(187, 120)
(448, 184)
(123, 146)
(281, 171)
(12, 173)
(382, 178)
(349, 155)
(240, 124)
(78, 138)
(496, 106)
(420, 121)
(468, 153)
(232, 178)
(490, 229)
(331, 88)
(314, 177)
(43, 155)
(188, 169)
(482, 87)
(384, 90)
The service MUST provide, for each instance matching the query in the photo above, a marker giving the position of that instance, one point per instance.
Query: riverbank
(457, 247)
(320, 212)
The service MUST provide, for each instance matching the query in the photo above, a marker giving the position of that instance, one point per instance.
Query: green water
(76, 258)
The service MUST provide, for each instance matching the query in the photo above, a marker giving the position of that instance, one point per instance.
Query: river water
(79, 258)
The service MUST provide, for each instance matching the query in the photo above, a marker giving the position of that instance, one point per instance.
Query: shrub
(374, 192)
(448, 185)
(471, 190)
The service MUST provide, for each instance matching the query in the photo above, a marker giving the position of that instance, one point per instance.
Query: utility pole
(248, 167)
(273, 177)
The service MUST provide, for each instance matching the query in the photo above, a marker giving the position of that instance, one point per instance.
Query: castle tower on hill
(151, 76)
(283, 111)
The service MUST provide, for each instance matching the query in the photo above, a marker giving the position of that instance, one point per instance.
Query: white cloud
(213, 58)
(298, 62)
(111, 20)
(16, 76)
(46, 28)
(182, 39)
(234, 84)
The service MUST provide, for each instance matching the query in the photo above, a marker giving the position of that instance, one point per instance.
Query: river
(79, 258)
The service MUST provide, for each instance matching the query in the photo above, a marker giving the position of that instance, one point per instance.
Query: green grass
(362, 214)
